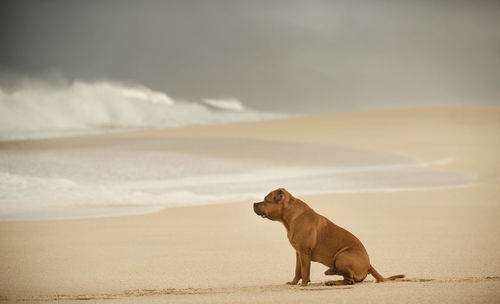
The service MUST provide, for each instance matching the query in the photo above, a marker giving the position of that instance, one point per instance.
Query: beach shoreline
(444, 240)
(143, 171)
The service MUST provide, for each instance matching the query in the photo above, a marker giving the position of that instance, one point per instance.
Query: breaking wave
(37, 109)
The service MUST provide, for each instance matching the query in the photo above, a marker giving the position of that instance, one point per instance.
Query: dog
(315, 238)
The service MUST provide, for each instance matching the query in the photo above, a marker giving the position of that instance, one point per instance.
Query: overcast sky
(275, 55)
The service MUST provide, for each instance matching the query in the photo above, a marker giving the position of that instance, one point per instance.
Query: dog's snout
(257, 208)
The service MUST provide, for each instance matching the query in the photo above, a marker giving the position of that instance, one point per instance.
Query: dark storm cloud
(299, 55)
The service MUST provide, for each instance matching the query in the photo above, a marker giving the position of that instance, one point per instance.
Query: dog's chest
(293, 240)
(301, 241)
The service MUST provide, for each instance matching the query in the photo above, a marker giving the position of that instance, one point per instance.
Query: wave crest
(38, 109)
(229, 104)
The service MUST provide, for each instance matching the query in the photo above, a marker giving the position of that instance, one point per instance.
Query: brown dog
(315, 238)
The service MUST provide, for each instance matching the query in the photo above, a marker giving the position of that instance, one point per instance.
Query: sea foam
(37, 109)
(143, 175)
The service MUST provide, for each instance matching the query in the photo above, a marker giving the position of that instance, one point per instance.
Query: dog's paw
(292, 282)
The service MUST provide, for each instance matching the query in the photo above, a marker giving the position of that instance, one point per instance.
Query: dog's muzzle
(256, 209)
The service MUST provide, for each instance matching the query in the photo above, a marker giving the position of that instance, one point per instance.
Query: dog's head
(273, 204)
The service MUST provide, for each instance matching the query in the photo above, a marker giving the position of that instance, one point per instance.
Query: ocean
(117, 175)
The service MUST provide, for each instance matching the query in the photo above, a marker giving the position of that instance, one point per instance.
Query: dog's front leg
(305, 268)
(298, 273)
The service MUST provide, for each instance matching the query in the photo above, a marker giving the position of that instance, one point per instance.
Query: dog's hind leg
(348, 280)
(352, 265)
(331, 271)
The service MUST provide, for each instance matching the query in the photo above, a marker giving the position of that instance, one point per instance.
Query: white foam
(33, 197)
(443, 162)
(127, 177)
(230, 104)
(38, 109)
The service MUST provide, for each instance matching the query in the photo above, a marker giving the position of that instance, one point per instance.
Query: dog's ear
(280, 194)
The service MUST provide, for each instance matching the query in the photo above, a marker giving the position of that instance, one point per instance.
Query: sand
(446, 241)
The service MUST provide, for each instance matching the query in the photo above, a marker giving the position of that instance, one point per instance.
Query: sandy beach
(445, 240)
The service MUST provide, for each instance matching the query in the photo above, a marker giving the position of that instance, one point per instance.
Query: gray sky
(277, 55)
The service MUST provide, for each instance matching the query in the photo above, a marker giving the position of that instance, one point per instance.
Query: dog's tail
(380, 278)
